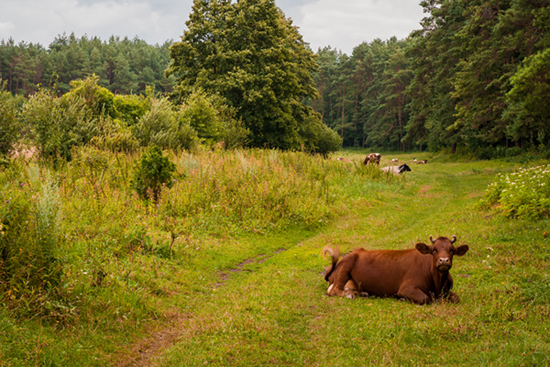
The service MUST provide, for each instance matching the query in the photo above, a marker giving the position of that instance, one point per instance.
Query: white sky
(342, 24)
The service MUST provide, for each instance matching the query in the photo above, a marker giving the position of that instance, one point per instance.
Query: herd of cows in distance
(374, 158)
(420, 275)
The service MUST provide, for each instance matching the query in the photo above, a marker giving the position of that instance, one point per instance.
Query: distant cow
(420, 275)
(422, 162)
(343, 159)
(395, 160)
(372, 158)
(397, 169)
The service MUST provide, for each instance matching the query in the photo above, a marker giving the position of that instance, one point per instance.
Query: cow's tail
(335, 255)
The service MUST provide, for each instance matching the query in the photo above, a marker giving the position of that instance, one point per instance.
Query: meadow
(226, 270)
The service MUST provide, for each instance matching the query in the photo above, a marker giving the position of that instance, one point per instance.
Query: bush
(29, 233)
(99, 100)
(152, 172)
(10, 131)
(317, 137)
(213, 120)
(525, 193)
(164, 127)
(131, 108)
(58, 124)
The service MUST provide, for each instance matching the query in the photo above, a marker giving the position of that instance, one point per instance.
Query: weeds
(524, 193)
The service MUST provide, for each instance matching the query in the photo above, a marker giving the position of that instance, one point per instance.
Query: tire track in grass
(260, 259)
(147, 351)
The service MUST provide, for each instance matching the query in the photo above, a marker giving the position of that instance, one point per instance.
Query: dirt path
(146, 352)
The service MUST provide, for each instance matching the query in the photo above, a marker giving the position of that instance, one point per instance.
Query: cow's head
(404, 168)
(442, 251)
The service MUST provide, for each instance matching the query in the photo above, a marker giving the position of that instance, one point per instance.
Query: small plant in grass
(151, 172)
(525, 193)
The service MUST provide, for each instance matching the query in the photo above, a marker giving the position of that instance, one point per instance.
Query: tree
(251, 55)
(528, 99)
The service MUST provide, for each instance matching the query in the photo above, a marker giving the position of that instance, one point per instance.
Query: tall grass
(111, 261)
(29, 235)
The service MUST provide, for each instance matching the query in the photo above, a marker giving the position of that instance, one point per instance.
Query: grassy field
(241, 284)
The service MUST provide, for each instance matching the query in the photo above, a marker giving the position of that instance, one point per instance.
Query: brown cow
(372, 158)
(420, 275)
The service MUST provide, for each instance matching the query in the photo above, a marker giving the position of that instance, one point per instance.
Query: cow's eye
(434, 251)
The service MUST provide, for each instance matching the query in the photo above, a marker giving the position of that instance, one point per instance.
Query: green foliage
(98, 99)
(10, 129)
(250, 224)
(151, 173)
(130, 108)
(318, 137)
(251, 55)
(213, 120)
(473, 77)
(30, 273)
(525, 193)
(165, 127)
(58, 124)
(528, 98)
(116, 136)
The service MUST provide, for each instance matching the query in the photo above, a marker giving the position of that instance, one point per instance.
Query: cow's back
(383, 272)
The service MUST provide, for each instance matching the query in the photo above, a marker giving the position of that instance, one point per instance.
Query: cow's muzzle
(444, 264)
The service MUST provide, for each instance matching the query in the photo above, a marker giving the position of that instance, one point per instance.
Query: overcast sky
(342, 24)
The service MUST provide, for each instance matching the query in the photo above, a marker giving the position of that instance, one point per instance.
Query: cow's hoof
(350, 295)
(364, 294)
(453, 297)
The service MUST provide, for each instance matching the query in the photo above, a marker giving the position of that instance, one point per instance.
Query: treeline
(476, 76)
(123, 66)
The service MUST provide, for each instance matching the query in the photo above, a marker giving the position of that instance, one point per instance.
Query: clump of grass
(524, 193)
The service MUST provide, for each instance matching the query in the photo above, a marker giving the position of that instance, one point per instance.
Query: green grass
(252, 293)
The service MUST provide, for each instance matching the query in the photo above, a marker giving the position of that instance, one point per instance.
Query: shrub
(29, 233)
(131, 108)
(151, 172)
(9, 126)
(58, 124)
(525, 193)
(213, 120)
(164, 127)
(319, 138)
(99, 100)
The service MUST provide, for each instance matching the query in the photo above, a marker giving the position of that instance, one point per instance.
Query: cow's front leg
(342, 279)
(414, 294)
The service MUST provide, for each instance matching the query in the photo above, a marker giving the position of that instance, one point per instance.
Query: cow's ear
(423, 248)
(461, 250)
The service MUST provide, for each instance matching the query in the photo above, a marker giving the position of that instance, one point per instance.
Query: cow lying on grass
(420, 275)
(396, 170)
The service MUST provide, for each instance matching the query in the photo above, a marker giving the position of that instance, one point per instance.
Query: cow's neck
(440, 282)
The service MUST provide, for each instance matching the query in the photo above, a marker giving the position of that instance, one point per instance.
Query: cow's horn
(453, 238)
(431, 239)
